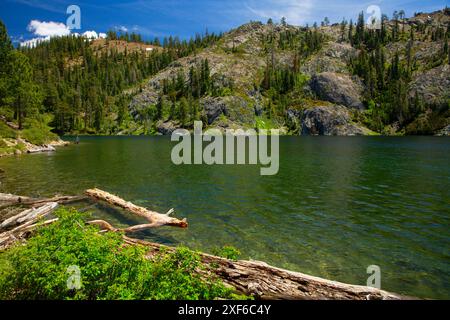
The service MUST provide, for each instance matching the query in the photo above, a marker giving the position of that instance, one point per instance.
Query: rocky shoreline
(20, 146)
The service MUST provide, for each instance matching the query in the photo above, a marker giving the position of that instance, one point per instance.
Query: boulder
(330, 121)
(337, 88)
(235, 108)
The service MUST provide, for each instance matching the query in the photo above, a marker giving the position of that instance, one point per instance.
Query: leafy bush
(108, 268)
(38, 136)
(228, 252)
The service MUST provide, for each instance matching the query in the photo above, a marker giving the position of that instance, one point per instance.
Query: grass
(7, 132)
(38, 135)
(35, 131)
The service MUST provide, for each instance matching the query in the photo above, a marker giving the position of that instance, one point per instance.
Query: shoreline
(21, 146)
(248, 277)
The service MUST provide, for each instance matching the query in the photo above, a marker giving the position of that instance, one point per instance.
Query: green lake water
(337, 205)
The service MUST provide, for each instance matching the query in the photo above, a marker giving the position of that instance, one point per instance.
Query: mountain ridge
(331, 63)
(339, 79)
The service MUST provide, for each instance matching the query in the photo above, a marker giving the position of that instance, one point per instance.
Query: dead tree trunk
(266, 282)
(248, 277)
(156, 219)
(7, 200)
(23, 223)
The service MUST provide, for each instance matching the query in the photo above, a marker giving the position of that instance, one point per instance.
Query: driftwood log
(155, 219)
(7, 200)
(270, 283)
(248, 277)
(18, 227)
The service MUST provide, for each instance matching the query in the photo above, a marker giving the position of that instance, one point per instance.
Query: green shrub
(37, 131)
(228, 252)
(108, 269)
(38, 136)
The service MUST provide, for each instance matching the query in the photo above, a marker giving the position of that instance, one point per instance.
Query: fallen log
(248, 277)
(263, 281)
(29, 215)
(270, 283)
(23, 223)
(156, 219)
(7, 200)
(11, 198)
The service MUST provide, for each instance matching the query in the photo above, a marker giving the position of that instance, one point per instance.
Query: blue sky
(158, 18)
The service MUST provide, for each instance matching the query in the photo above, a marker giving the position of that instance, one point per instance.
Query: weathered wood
(248, 277)
(29, 215)
(11, 198)
(23, 223)
(156, 219)
(268, 283)
(7, 200)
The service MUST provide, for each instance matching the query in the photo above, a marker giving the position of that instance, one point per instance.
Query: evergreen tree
(24, 94)
(183, 111)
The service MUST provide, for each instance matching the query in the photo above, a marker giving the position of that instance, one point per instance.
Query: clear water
(337, 205)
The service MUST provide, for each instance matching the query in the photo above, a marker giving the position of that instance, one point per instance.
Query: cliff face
(332, 100)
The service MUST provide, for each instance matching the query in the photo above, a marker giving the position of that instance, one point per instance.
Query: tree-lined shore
(392, 80)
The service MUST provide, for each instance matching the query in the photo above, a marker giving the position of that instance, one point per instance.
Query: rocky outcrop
(235, 108)
(213, 108)
(433, 86)
(332, 120)
(239, 58)
(166, 128)
(334, 57)
(337, 88)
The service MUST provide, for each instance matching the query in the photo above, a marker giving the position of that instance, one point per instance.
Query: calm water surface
(336, 206)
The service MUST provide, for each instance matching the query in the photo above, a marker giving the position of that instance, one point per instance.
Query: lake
(337, 205)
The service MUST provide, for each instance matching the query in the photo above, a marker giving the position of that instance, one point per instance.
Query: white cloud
(48, 29)
(121, 28)
(295, 11)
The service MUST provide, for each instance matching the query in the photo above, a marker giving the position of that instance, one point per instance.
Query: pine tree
(5, 47)
(350, 32)
(159, 108)
(343, 28)
(183, 111)
(25, 96)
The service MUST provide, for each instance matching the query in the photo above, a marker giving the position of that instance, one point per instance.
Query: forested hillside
(76, 85)
(341, 79)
